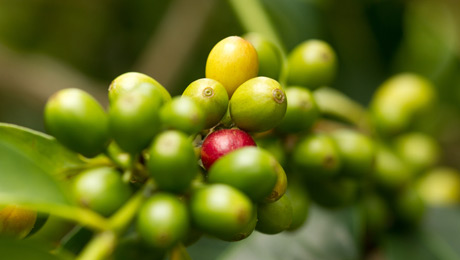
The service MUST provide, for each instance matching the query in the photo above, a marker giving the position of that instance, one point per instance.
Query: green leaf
(40, 148)
(443, 223)
(32, 169)
(16, 249)
(326, 235)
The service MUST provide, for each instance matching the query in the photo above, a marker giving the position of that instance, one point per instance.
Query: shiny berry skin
(222, 142)
(258, 105)
(101, 189)
(163, 220)
(232, 61)
(77, 121)
(312, 64)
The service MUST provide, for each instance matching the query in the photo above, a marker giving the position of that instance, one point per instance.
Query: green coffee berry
(163, 220)
(269, 55)
(275, 217)
(101, 189)
(211, 96)
(245, 232)
(419, 150)
(135, 119)
(357, 152)
(300, 202)
(133, 80)
(249, 169)
(302, 111)
(316, 157)
(391, 172)
(78, 121)
(183, 114)
(312, 64)
(172, 162)
(400, 101)
(220, 210)
(280, 186)
(258, 105)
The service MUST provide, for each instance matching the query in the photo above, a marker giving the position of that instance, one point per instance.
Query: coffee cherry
(163, 220)
(135, 119)
(316, 157)
(220, 210)
(275, 217)
(270, 58)
(440, 187)
(183, 114)
(249, 169)
(419, 150)
(211, 96)
(172, 162)
(357, 152)
(400, 101)
(258, 105)
(300, 202)
(231, 62)
(77, 121)
(280, 186)
(101, 189)
(133, 80)
(221, 142)
(312, 64)
(302, 111)
(391, 172)
(16, 221)
(245, 232)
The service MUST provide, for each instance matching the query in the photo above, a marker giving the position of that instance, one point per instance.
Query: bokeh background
(47, 45)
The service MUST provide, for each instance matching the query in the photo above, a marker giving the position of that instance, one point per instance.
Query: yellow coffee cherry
(232, 61)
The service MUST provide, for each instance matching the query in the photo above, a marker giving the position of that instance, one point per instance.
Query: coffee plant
(260, 148)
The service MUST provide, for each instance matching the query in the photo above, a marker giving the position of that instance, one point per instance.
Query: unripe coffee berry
(258, 105)
(78, 121)
(211, 96)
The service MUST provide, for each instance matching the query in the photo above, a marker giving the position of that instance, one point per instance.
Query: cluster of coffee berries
(248, 147)
(196, 151)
